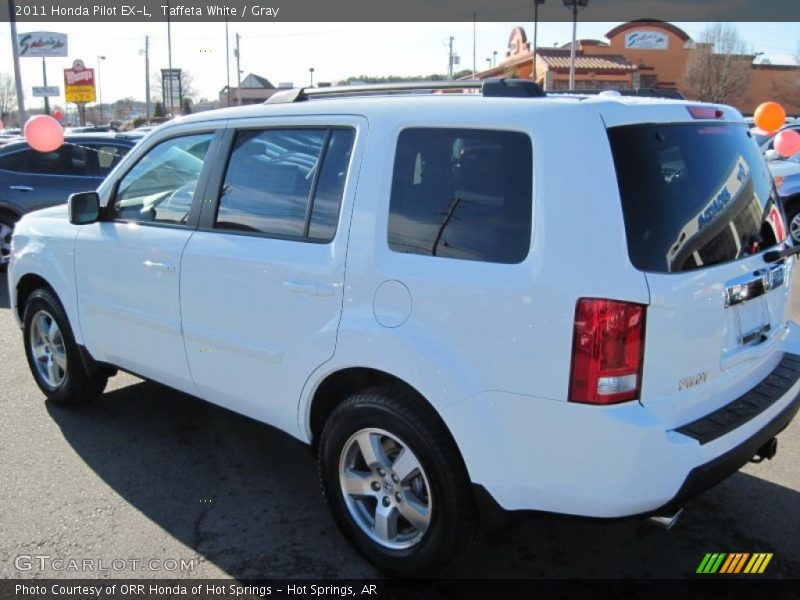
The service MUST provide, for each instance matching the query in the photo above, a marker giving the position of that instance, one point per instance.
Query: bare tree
(8, 96)
(787, 89)
(719, 68)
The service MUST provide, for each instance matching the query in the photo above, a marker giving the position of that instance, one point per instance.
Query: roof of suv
(617, 110)
(434, 98)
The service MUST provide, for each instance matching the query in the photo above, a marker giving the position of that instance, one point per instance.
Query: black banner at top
(32, 11)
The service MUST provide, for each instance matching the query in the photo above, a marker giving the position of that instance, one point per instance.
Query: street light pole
(100, 88)
(536, 3)
(17, 74)
(227, 65)
(147, 78)
(574, 4)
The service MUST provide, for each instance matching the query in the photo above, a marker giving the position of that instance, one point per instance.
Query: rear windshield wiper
(776, 255)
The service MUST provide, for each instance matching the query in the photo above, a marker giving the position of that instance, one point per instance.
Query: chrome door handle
(20, 188)
(309, 289)
(159, 266)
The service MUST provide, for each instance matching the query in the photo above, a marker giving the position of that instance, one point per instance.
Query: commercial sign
(647, 40)
(44, 91)
(79, 83)
(171, 89)
(42, 43)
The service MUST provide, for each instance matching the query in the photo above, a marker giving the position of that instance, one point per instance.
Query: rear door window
(286, 183)
(69, 159)
(693, 195)
(462, 193)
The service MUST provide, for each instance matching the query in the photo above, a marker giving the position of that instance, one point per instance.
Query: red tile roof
(558, 58)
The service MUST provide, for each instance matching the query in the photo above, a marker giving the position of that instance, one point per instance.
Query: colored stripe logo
(734, 563)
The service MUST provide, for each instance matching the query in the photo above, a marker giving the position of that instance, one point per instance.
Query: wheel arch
(340, 384)
(27, 284)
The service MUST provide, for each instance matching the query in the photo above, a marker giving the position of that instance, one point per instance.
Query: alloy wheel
(48, 349)
(385, 488)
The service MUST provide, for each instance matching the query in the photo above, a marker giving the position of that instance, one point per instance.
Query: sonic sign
(42, 43)
(647, 40)
(79, 83)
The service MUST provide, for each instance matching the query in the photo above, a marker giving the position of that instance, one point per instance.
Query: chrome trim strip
(754, 285)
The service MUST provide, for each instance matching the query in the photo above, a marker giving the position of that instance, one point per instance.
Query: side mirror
(772, 155)
(84, 208)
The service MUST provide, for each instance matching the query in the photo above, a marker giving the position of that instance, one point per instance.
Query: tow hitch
(767, 451)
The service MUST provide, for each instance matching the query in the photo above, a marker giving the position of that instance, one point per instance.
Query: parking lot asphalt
(148, 473)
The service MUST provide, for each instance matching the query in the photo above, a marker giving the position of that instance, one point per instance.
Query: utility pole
(536, 3)
(169, 56)
(238, 55)
(147, 78)
(450, 59)
(44, 83)
(17, 74)
(227, 65)
(474, 44)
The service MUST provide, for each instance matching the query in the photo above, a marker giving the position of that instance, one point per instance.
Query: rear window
(693, 195)
(462, 193)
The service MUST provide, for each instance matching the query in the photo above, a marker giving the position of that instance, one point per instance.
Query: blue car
(30, 180)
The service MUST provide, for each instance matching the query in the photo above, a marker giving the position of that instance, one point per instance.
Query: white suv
(470, 302)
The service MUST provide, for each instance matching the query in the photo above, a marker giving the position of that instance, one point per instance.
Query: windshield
(693, 195)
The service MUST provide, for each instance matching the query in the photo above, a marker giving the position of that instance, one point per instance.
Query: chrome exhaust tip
(666, 521)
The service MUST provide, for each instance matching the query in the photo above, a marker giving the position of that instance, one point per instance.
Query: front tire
(6, 231)
(53, 356)
(396, 483)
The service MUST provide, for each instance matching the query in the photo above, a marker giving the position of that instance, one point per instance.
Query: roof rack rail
(495, 87)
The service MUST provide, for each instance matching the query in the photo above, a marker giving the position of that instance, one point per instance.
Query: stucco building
(638, 54)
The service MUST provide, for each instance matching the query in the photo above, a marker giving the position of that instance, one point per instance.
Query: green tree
(158, 109)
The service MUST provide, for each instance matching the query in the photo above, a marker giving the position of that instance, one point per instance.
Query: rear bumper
(711, 473)
(603, 462)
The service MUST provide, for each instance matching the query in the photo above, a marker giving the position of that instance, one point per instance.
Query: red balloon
(43, 133)
(787, 143)
(57, 115)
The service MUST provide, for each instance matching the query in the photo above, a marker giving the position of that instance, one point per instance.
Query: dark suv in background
(30, 180)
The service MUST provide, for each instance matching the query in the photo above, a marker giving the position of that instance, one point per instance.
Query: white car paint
(262, 322)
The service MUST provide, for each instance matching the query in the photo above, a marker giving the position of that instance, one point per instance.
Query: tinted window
(11, 161)
(285, 182)
(462, 193)
(328, 196)
(69, 159)
(108, 155)
(161, 186)
(693, 195)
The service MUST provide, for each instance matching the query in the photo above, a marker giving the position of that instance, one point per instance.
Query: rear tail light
(607, 351)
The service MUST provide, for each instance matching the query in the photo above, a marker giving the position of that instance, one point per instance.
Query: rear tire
(396, 483)
(53, 356)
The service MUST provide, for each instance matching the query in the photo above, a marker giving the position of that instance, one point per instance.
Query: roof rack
(495, 87)
(641, 92)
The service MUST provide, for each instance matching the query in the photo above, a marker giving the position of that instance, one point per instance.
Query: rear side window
(462, 193)
(69, 159)
(693, 195)
(286, 182)
(10, 161)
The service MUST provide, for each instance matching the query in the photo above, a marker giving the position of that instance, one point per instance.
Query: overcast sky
(283, 52)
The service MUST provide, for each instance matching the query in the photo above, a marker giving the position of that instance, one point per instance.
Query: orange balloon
(43, 133)
(769, 116)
